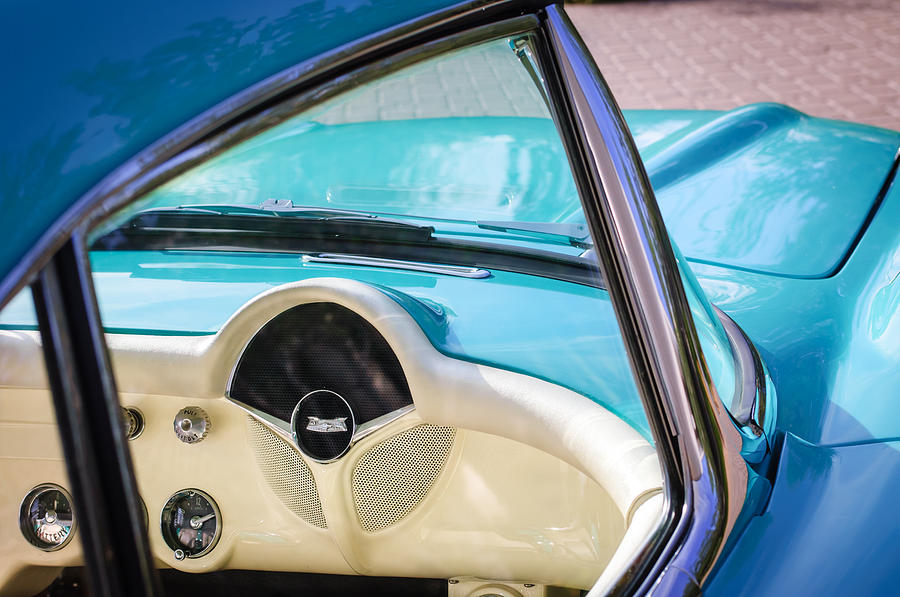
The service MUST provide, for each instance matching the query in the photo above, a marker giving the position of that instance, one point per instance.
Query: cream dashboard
(303, 452)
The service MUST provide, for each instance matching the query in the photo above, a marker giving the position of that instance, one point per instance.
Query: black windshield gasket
(176, 222)
(303, 240)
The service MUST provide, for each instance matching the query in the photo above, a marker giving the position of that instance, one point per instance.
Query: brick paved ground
(831, 58)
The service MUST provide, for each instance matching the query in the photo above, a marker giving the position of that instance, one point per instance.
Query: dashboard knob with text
(192, 424)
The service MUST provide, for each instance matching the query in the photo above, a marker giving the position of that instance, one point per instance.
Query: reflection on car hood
(469, 168)
(764, 187)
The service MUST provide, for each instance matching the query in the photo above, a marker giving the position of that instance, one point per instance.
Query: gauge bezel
(170, 503)
(25, 521)
(146, 513)
(140, 422)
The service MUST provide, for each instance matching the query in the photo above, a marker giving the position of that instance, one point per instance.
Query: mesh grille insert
(394, 476)
(287, 474)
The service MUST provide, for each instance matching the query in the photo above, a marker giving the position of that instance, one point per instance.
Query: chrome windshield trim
(432, 268)
(697, 442)
(748, 406)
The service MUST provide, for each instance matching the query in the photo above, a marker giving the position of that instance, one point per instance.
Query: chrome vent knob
(134, 422)
(191, 424)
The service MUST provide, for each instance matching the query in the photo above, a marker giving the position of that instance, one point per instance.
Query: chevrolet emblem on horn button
(327, 425)
(322, 425)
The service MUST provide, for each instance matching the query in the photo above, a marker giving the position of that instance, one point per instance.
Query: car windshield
(484, 163)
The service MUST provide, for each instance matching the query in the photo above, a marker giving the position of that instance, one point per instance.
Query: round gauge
(46, 517)
(191, 523)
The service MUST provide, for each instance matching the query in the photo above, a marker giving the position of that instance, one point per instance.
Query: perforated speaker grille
(394, 476)
(287, 474)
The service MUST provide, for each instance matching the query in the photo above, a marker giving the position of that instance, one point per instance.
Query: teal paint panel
(829, 528)
(764, 187)
(831, 345)
(655, 130)
(89, 85)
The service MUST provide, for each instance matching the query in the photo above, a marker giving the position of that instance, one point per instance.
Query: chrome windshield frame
(698, 445)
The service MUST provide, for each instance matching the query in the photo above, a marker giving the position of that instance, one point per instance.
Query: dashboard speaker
(394, 476)
(287, 474)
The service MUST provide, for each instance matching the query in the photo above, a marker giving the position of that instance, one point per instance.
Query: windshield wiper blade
(269, 207)
(240, 221)
(576, 235)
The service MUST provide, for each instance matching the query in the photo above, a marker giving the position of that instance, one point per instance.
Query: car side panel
(831, 345)
(830, 527)
(764, 187)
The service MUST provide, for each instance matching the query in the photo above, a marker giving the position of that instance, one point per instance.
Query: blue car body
(788, 222)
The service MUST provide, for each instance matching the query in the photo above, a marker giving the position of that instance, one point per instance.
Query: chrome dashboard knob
(134, 422)
(191, 424)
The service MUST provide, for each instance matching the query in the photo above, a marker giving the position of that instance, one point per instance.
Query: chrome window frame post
(699, 447)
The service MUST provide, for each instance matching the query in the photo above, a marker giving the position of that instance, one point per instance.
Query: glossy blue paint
(87, 86)
(832, 345)
(829, 527)
(763, 187)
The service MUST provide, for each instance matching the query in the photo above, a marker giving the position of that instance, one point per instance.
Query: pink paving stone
(831, 58)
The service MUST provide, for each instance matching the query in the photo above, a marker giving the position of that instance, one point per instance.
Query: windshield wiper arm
(576, 235)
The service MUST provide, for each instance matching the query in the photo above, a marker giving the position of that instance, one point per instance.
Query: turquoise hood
(764, 188)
